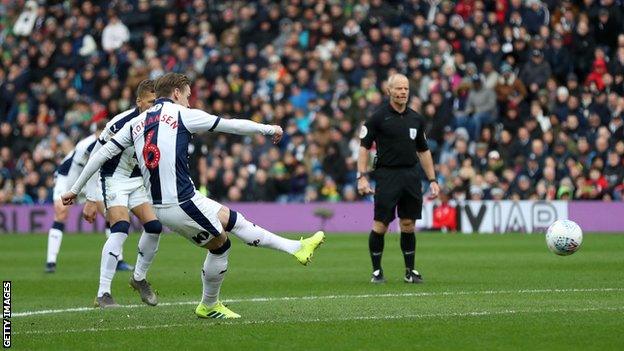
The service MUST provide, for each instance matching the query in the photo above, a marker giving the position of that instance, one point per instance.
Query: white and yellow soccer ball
(564, 237)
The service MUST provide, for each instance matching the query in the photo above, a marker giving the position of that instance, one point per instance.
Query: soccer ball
(564, 237)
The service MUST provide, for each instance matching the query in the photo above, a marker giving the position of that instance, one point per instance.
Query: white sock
(55, 237)
(213, 274)
(255, 235)
(148, 246)
(110, 256)
(107, 232)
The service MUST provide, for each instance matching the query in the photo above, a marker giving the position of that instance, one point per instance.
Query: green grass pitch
(482, 292)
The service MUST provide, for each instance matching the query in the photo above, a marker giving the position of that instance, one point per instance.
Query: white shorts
(126, 192)
(196, 219)
(60, 187)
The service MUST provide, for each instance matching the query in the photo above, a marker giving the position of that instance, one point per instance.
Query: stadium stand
(523, 98)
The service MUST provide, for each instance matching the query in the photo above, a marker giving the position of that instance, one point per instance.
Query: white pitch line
(332, 297)
(481, 313)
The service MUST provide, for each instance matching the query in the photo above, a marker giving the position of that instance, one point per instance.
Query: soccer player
(161, 136)
(65, 175)
(123, 190)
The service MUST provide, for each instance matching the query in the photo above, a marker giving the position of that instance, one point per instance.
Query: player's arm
(117, 144)
(93, 192)
(197, 121)
(426, 161)
(367, 137)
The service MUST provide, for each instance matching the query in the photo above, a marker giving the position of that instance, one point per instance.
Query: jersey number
(151, 153)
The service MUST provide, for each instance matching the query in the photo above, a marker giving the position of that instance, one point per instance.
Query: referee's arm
(363, 185)
(367, 136)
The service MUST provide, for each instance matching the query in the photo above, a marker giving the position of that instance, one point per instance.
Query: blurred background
(523, 98)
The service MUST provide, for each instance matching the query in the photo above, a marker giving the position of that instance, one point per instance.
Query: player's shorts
(196, 219)
(61, 186)
(397, 190)
(126, 192)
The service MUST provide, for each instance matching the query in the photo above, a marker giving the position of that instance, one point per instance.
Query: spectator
(535, 72)
(482, 105)
(115, 34)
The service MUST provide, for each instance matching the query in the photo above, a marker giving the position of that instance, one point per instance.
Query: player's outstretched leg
(213, 273)
(255, 235)
(148, 246)
(55, 237)
(110, 256)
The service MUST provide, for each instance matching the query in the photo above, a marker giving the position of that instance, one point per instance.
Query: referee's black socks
(408, 246)
(376, 246)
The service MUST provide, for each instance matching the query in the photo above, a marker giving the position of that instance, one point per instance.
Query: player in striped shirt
(122, 189)
(65, 175)
(162, 134)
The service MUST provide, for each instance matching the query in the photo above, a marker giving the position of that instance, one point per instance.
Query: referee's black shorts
(397, 190)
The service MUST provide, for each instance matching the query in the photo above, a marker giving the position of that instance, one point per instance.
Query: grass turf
(481, 292)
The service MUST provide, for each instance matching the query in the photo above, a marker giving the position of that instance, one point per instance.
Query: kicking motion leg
(255, 235)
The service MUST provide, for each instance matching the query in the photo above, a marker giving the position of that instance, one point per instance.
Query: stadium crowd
(523, 97)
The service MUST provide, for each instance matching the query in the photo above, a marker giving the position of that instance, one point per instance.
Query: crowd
(523, 98)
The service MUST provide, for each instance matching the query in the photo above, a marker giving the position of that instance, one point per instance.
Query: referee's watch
(359, 175)
(432, 181)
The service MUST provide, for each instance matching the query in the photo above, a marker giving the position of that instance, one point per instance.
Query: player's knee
(120, 227)
(233, 219)
(153, 227)
(60, 213)
(406, 225)
(223, 248)
(380, 227)
(58, 225)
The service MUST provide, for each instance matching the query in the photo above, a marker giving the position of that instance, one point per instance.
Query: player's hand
(364, 187)
(435, 189)
(89, 211)
(277, 134)
(69, 198)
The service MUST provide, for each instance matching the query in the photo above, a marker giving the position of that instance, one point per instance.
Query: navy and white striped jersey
(74, 162)
(162, 134)
(123, 165)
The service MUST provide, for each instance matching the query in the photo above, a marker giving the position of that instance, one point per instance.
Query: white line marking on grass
(332, 297)
(481, 313)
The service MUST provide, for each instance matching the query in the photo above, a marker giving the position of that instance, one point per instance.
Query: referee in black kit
(399, 134)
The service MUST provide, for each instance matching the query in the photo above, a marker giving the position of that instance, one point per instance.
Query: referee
(398, 132)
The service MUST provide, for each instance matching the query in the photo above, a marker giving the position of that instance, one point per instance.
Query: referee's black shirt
(398, 135)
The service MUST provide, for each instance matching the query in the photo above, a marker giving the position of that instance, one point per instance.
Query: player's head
(398, 89)
(98, 126)
(174, 86)
(146, 94)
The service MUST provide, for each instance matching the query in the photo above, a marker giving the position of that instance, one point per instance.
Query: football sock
(55, 237)
(110, 256)
(148, 246)
(255, 235)
(213, 273)
(408, 246)
(376, 246)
